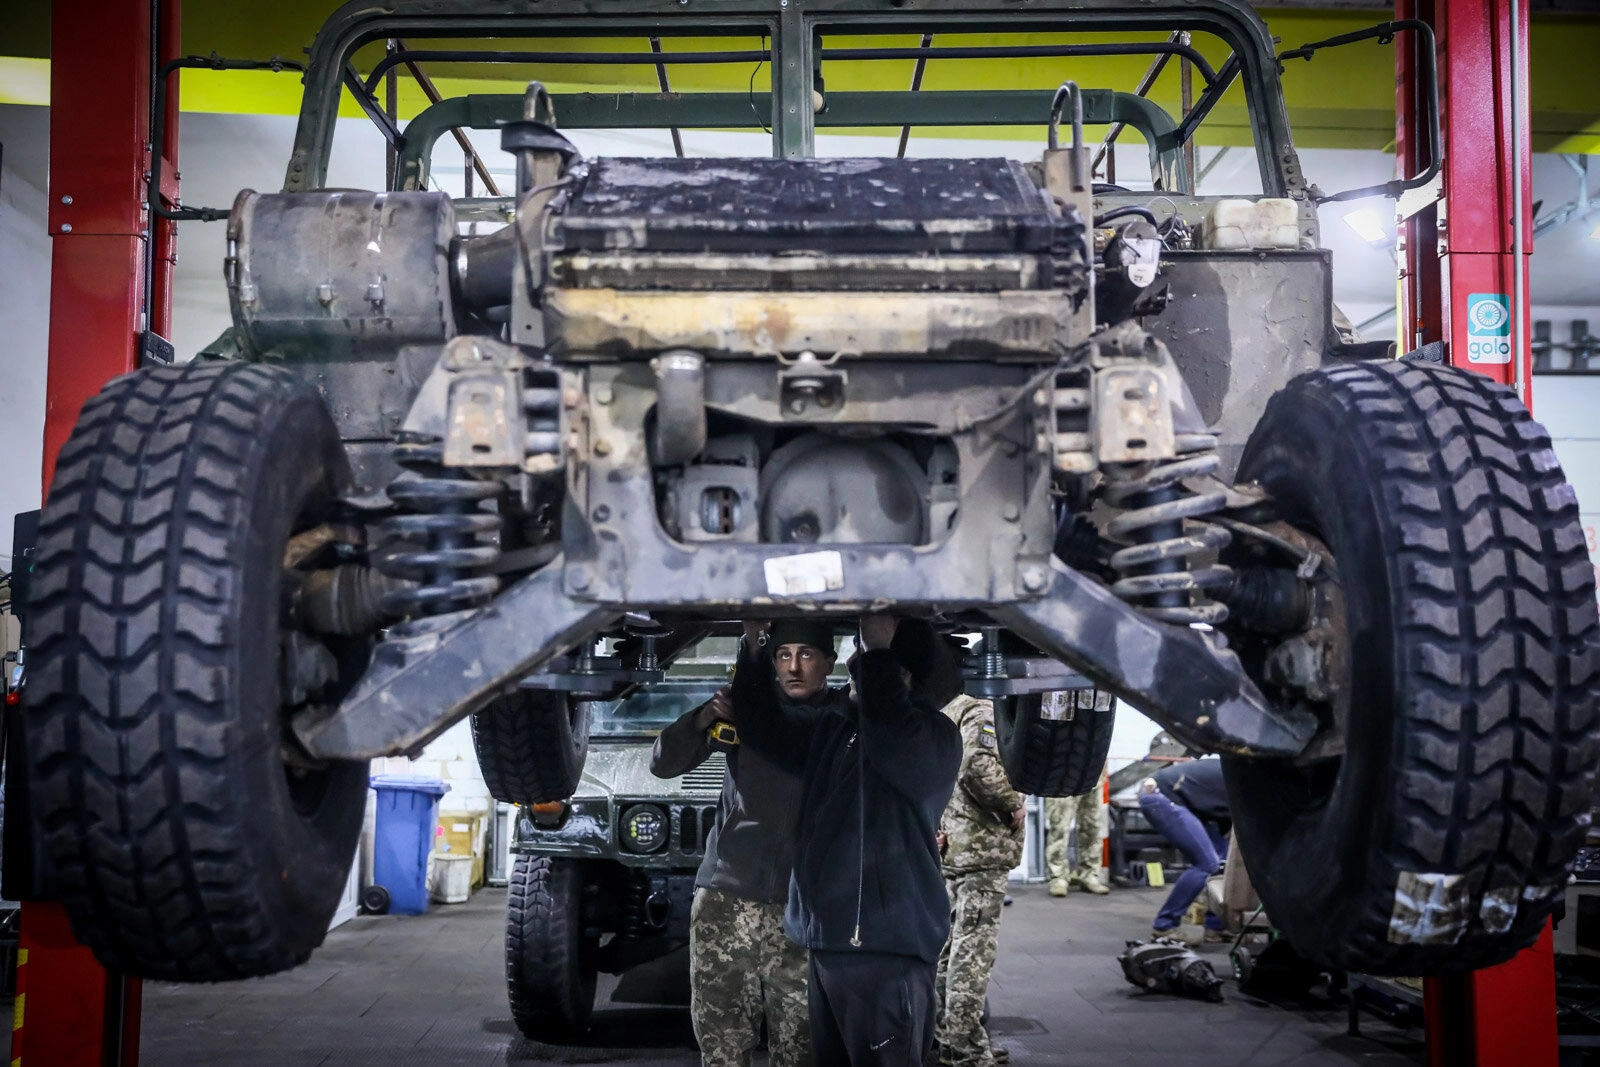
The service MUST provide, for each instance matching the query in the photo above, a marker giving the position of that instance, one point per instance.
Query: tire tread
(548, 993)
(127, 726)
(1495, 635)
(526, 747)
(1055, 758)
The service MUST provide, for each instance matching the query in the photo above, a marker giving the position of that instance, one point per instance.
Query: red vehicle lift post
(1464, 283)
(104, 54)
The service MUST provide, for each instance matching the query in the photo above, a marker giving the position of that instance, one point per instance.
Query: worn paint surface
(615, 322)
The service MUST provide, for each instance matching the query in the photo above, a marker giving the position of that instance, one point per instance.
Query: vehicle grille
(694, 828)
(706, 779)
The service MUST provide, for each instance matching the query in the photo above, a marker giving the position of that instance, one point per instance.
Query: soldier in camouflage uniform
(982, 835)
(741, 965)
(1087, 811)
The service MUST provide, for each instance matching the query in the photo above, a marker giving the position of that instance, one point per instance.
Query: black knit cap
(814, 632)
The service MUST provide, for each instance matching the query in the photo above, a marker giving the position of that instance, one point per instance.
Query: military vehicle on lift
(1113, 426)
(603, 881)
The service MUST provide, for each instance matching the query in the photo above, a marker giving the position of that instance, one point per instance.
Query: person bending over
(741, 966)
(1188, 804)
(867, 898)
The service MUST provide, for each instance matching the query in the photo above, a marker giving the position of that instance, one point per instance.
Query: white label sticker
(813, 572)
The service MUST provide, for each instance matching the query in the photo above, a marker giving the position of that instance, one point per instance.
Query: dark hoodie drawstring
(861, 828)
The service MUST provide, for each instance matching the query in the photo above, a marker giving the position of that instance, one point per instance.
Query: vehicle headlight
(644, 828)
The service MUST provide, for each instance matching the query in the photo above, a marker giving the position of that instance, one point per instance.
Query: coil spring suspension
(444, 517)
(1157, 575)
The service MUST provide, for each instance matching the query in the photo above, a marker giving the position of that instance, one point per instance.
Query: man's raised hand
(718, 708)
(877, 630)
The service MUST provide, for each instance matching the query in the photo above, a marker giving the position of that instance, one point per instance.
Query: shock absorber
(1158, 572)
(442, 515)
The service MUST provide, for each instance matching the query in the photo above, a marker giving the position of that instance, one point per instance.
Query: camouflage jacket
(977, 821)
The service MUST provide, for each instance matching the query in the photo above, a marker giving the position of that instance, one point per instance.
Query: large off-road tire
(1443, 836)
(531, 745)
(179, 841)
(551, 966)
(1059, 750)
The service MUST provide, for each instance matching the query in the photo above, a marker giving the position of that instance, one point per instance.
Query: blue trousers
(1200, 844)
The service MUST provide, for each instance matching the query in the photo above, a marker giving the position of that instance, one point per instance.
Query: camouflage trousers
(741, 967)
(965, 963)
(1089, 815)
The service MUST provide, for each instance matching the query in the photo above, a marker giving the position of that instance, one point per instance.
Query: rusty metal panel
(1021, 324)
(1240, 325)
(325, 276)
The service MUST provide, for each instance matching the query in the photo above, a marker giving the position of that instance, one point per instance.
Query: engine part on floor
(1168, 966)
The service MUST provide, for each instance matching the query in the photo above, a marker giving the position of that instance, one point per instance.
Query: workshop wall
(24, 311)
(1567, 404)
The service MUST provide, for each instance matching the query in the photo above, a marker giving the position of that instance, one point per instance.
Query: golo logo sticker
(1488, 328)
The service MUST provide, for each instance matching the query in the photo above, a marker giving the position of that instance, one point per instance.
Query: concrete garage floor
(429, 990)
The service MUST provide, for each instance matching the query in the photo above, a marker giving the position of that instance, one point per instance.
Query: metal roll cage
(795, 28)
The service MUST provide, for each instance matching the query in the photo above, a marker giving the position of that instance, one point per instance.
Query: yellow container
(461, 834)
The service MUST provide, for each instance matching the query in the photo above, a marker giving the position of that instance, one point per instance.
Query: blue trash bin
(408, 809)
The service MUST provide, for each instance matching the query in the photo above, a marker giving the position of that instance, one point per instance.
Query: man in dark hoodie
(867, 897)
(741, 966)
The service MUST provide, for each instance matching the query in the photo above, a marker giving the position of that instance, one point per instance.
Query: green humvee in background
(604, 881)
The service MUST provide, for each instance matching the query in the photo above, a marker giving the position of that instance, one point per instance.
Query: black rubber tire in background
(551, 967)
(1444, 835)
(152, 732)
(531, 745)
(1055, 757)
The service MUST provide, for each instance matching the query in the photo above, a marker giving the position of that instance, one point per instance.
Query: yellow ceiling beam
(1343, 98)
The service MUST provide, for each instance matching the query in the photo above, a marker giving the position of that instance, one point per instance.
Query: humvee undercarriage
(431, 474)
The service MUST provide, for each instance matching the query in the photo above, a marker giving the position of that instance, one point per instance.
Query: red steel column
(1459, 285)
(1459, 248)
(166, 230)
(69, 1010)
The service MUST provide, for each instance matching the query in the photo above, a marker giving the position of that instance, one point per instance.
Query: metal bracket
(1024, 675)
(1412, 201)
(809, 385)
(1130, 420)
(484, 417)
(419, 686)
(1199, 693)
(600, 678)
